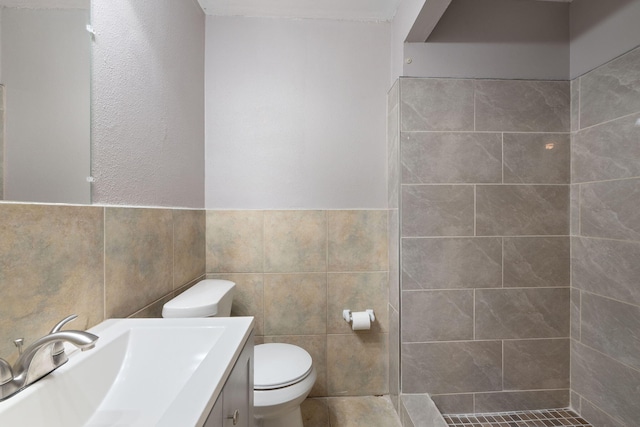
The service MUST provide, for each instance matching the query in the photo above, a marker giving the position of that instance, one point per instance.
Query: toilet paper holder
(346, 315)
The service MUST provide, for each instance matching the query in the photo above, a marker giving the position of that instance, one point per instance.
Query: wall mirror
(45, 78)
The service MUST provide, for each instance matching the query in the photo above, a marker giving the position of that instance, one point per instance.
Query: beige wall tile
(295, 304)
(315, 412)
(295, 241)
(357, 240)
(357, 292)
(138, 257)
(248, 299)
(357, 364)
(394, 357)
(234, 241)
(51, 265)
(189, 246)
(362, 411)
(316, 346)
(153, 310)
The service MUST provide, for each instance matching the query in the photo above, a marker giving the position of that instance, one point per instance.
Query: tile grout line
(626, 116)
(579, 100)
(610, 357)
(500, 184)
(326, 310)
(475, 210)
(173, 251)
(502, 146)
(579, 231)
(264, 264)
(607, 298)
(474, 314)
(502, 345)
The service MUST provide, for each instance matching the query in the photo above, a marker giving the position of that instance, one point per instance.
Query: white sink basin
(142, 372)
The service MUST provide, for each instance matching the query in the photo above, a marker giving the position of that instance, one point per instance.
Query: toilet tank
(207, 298)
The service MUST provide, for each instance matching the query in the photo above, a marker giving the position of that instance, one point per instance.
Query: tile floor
(542, 418)
(364, 411)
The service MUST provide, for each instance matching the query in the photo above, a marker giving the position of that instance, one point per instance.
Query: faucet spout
(81, 339)
(39, 359)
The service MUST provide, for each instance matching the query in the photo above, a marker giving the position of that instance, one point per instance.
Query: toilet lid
(279, 365)
(200, 300)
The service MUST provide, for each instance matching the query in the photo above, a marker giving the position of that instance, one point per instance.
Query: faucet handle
(6, 374)
(19, 343)
(58, 347)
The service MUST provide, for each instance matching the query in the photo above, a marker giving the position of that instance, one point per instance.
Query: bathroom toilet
(283, 373)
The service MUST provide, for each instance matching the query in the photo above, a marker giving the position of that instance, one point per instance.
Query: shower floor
(542, 418)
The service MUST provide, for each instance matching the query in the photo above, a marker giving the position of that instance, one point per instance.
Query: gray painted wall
(601, 31)
(45, 70)
(406, 14)
(295, 114)
(506, 39)
(148, 103)
(523, 39)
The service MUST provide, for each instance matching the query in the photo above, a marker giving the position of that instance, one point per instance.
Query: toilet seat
(278, 365)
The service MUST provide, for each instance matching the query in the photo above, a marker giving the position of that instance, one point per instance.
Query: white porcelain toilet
(283, 373)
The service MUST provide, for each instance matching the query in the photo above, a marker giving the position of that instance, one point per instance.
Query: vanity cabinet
(234, 406)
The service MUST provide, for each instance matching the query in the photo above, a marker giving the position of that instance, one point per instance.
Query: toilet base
(292, 418)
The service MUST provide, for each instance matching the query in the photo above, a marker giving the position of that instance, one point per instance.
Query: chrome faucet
(42, 357)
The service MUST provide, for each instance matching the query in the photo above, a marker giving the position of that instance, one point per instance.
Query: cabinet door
(215, 416)
(237, 402)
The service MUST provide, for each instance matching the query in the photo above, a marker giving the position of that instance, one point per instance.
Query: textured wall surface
(91, 261)
(295, 272)
(605, 229)
(484, 223)
(148, 103)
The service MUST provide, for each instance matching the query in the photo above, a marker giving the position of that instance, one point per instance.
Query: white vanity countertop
(142, 372)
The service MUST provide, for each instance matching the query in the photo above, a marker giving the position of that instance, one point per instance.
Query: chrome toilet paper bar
(348, 317)
(360, 320)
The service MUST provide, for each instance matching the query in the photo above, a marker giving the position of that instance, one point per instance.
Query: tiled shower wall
(393, 236)
(96, 262)
(296, 271)
(605, 229)
(484, 222)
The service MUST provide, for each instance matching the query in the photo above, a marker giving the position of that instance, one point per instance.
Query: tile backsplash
(295, 271)
(96, 262)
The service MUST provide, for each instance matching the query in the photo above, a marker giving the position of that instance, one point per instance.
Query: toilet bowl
(283, 373)
(283, 377)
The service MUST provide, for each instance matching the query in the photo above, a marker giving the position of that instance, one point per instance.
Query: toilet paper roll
(360, 321)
